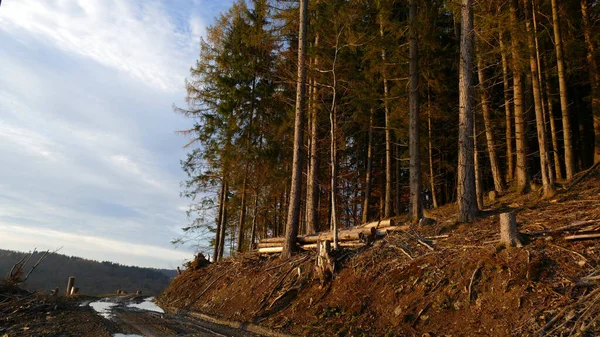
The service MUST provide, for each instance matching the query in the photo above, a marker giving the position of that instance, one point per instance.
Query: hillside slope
(465, 286)
(92, 277)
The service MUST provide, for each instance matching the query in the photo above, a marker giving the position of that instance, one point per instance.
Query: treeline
(92, 277)
(376, 123)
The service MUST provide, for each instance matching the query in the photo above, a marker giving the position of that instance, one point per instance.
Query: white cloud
(136, 38)
(28, 141)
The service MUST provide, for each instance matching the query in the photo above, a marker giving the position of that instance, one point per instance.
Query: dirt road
(139, 316)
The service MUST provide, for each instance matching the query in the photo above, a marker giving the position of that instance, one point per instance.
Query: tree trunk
(312, 185)
(388, 132)
(293, 217)
(509, 236)
(254, 220)
(218, 223)
(489, 135)
(520, 127)
(365, 208)
(510, 158)
(398, 161)
(333, 150)
(430, 148)
(547, 183)
(242, 219)
(554, 133)
(416, 202)
(477, 167)
(562, 84)
(550, 153)
(592, 59)
(223, 225)
(467, 202)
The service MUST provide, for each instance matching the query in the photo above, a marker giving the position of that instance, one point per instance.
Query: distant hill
(92, 277)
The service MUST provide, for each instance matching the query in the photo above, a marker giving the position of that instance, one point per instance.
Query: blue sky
(89, 158)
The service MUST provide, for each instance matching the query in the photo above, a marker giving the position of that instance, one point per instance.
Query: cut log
(583, 236)
(269, 244)
(509, 237)
(342, 244)
(403, 228)
(269, 250)
(379, 224)
(325, 262)
(343, 235)
(271, 240)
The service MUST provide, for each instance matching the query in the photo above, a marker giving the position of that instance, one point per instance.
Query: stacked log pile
(353, 237)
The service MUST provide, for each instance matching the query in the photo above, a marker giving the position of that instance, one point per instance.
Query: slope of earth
(444, 279)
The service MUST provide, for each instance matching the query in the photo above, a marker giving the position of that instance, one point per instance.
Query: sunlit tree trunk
(254, 221)
(547, 183)
(365, 208)
(388, 132)
(553, 131)
(430, 148)
(293, 217)
(312, 185)
(510, 157)
(477, 167)
(416, 202)
(562, 85)
(522, 181)
(489, 135)
(466, 197)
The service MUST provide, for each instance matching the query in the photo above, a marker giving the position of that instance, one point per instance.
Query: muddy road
(141, 317)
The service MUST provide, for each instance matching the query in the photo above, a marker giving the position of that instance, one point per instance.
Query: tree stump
(70, 285)
(509, 237)
(74, 291)
(492, 196)
(138, 293)
(325, 262)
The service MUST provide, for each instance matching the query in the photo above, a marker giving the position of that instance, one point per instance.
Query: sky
(89, 156)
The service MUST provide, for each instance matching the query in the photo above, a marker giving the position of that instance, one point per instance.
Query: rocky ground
(456, 282)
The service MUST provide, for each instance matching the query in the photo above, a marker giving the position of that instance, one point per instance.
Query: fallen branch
(565, 228)
(582, 236)
(472, 280)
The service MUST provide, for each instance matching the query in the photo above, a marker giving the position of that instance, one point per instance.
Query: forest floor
(463, 284)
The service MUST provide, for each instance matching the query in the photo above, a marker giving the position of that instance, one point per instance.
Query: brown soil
(465, 286)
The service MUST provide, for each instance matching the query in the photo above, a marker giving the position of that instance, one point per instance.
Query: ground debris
(446, 278)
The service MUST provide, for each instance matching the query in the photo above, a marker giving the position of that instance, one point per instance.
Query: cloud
(90, 159)
(133, 37)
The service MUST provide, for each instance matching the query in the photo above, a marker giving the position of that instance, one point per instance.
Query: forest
(325, 114)
(91, 277)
